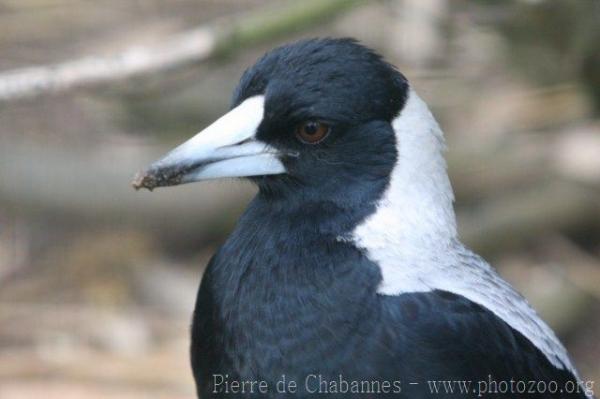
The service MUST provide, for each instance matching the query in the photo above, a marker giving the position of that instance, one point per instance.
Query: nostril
(293, 154)
(249, 139)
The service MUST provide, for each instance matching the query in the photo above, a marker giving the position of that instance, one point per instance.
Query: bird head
(318, 118)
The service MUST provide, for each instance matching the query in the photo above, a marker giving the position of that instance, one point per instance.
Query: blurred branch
(195, 45)
(512, 219)
(487, 170)
(76, 185)
(578, 266)
(100, 193)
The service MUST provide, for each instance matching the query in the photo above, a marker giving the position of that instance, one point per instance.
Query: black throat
(287, 279)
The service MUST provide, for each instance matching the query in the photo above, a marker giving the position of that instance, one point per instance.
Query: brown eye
(312, 132)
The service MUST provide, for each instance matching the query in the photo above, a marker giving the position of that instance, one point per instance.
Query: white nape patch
(412, 235)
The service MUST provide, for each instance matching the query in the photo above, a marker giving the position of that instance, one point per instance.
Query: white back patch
(412, 235)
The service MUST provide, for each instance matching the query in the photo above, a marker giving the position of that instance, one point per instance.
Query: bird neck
(414, 221)
(288, 262)
(420, 192)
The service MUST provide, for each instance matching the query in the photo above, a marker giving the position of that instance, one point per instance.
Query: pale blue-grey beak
(227, 148)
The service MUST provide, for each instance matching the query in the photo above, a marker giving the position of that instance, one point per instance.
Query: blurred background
(97, 281)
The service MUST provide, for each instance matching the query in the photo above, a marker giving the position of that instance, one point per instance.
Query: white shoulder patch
(412, 235)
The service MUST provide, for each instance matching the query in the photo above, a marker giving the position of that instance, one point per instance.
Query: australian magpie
(345, 275)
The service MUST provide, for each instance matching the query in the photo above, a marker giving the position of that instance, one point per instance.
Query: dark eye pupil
(311, 132)
(311, 128)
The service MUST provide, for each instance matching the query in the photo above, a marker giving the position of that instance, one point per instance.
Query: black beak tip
(144, 180)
